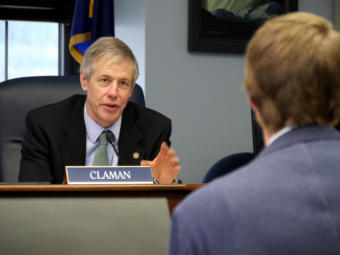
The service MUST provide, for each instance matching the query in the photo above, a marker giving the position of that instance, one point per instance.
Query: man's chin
(108, 122)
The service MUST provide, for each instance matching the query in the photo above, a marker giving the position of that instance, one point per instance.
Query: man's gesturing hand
(165, 165)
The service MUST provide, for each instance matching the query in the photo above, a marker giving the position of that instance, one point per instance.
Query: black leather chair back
(17, 97)
(227, 165)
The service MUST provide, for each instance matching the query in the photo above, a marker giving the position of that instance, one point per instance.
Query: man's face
(108, 89)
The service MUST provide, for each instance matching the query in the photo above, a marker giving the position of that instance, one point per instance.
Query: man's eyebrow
(104, 75)
(125, 79)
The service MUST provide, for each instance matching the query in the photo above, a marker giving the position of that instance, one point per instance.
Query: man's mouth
(111, 107)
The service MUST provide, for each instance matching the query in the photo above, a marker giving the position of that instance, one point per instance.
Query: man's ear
(83, 81)
(255, 109)
(252, 104)
(132, 87)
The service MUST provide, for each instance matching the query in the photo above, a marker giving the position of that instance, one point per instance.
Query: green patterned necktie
(100, 155)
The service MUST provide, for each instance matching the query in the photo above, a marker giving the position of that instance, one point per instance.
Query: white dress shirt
(279, 133)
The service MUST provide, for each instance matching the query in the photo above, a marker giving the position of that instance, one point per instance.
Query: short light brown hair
(108, 47)
(292, 71)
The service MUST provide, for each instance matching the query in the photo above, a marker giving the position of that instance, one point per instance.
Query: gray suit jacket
(286, 201)
(56, 137)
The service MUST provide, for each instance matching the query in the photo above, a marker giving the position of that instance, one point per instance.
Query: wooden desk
(173, 193)
(87, 219)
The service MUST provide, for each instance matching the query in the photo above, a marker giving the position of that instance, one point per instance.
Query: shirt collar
(93, 130)
(279, 133)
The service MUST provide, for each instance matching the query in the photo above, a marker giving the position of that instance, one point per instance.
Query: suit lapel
(73, 142)
(130, 149)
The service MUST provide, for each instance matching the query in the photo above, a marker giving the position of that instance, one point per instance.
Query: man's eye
(124, 83)
(104, 82)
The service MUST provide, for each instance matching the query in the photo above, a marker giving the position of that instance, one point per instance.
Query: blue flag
(91, 19)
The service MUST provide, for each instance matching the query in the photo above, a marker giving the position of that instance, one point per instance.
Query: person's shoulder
(62, 107)
(218, 193)
(202, 200)
(137, 112)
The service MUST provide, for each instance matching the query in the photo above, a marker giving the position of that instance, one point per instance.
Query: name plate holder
(108, 175)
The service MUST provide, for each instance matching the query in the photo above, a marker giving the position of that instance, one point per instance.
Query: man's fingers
(171, 153)
(177, 169)
(164, 149)
(175, 161)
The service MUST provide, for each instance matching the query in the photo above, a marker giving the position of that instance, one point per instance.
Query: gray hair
(108, 47)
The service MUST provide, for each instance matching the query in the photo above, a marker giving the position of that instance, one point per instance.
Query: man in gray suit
(287, 200)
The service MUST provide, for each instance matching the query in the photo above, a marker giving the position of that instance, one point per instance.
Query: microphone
(110, 137)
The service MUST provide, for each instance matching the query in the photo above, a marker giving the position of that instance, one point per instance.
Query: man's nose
(113, 89)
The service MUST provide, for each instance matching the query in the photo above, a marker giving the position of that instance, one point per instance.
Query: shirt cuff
(175, 181)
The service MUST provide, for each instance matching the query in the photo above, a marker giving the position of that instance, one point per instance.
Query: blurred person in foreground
(285, 201)
(67, 133)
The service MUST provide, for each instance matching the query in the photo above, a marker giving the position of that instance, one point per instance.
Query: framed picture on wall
(227, 25)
